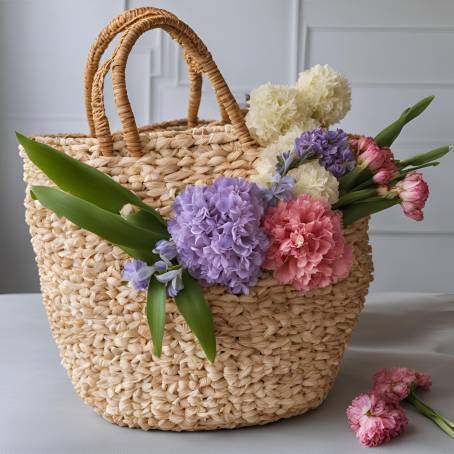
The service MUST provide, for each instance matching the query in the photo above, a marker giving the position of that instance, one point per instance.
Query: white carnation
(327, 92)
(274, 110)
(313, 179)
(265, 165)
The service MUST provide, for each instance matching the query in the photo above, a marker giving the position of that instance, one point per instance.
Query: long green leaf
(142, 254)
(424, 158)
(387, 136)
(196, 311)
(82, 180)
(361, 210)
(146, 220)
(354, 196)
(156, 313)
(107, 225)
(354, 177)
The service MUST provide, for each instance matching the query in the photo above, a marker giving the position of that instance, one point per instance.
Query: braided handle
(197, 56)
(117, 25)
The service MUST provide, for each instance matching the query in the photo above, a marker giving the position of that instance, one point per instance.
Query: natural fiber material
(278, 350)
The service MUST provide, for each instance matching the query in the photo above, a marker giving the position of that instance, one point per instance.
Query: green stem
(364, 184)
(443, 423)
(354, 196)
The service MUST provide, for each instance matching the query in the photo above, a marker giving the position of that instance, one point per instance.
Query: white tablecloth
(40, 412)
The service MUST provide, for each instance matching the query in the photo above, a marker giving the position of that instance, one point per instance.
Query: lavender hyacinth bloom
(285, 162)
(280, 189)
(138, 273)
(332, 148)
(174, 281)
(217, 232)
(165, 249)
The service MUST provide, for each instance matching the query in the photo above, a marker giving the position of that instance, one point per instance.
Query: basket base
(212, 425)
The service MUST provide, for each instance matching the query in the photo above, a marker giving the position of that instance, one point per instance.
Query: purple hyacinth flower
(332, 148)
(166, 249)
(281, 189)
(138, 273)
(284, 162)
(173, 280)
(218, 234)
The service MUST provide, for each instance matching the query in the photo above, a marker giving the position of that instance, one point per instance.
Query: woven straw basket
(278, 350)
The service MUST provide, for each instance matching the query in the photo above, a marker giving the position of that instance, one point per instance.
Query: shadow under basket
(279, 351)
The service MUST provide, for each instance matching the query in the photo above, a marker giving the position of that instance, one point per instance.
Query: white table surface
(40, 412)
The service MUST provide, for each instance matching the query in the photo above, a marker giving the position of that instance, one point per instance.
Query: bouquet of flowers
(310, 182)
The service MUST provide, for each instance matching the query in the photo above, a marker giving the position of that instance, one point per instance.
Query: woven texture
(278, 350)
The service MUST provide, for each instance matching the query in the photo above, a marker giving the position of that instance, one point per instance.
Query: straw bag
(278, 350)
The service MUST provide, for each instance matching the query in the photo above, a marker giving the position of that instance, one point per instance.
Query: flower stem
(443, 423)
(355, 196)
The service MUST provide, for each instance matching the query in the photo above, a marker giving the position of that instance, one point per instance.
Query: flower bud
(127, 210)
(413, 192)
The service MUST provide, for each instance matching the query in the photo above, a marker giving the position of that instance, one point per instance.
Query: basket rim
(152, 130)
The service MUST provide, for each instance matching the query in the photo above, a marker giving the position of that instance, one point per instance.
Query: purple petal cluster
(138, 273)
(218, 235)
(280, 189)
(331, 147)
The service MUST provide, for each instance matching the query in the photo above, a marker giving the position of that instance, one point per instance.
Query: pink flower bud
(379, 160)
(386, 172)
(372, 157)
(413, 192)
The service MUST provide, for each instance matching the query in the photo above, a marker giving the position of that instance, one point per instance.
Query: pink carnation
(423, 381)
(379, 160)
(374, 421)
(393, 384)
(413, 192)
(307, 248)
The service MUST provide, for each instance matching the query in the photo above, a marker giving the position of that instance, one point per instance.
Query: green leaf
(156, 313)
(146, 220)
(354, 177)
(354, 196)
(387, 136)
(82, 180)
(402, 173)
(361, 210)
(424, 158)
(144, 255)
(112, 227)
(196, 311)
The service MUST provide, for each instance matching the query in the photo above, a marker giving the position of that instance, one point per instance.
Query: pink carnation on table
(413, 192)
(308, 248)
(379, 160)
(423, 381)
(374, 421)
(393, 384)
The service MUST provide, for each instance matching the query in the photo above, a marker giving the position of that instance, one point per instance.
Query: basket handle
(197, 56)
(117, 25)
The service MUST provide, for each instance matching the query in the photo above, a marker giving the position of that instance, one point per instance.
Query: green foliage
(196, 311)
(82, 180)
(156, 313)
(361, 210)
(112, 227)
(387, 136)
(425, 158)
